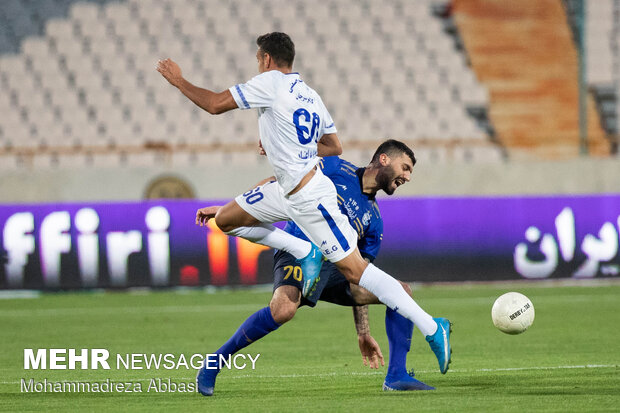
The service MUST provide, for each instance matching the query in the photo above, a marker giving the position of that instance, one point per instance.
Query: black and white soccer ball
(512, 313)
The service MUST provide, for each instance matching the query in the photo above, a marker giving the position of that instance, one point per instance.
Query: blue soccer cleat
(205, 379)
(440, 343)
(404, 382)
(310, 269)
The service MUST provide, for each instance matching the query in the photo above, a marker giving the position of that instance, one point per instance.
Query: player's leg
(236, 221)
(231, 216)
(315, 210)
(250, 215)
(284, 303)
(388, 291)
(364, 297)
(282, 308)
(398, 328)
(253, 328)
(399, 331)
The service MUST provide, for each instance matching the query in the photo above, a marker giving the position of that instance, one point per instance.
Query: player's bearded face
(386, 178)
(395, 173)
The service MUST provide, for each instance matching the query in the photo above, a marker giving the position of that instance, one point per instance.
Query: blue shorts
(332, 286)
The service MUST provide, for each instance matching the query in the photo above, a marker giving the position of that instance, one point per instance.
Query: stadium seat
(393, 71)
(85, 12)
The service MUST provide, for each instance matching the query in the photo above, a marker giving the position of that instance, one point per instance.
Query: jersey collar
(360, 176)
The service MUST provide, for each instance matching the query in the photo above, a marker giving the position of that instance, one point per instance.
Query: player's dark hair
(279, 46)
(391, 148)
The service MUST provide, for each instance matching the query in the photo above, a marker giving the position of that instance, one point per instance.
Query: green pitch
(568, 361)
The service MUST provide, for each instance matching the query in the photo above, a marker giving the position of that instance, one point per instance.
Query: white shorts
(314, 208)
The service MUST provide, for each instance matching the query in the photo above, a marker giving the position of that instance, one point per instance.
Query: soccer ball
(512, 313)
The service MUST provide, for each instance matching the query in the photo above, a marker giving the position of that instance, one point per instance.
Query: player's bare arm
(329, 145)
(203, 215)
(371, 352)
(364, 297)
(212, 102)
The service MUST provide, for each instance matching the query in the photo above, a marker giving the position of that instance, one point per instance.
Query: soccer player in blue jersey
(356, 188)
(296, 129)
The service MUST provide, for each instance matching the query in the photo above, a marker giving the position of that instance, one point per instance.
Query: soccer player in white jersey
(295, 130)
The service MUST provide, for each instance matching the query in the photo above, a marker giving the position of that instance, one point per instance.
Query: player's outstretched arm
(329, 145)
(203, 215)
(371, 352)
(212, 102)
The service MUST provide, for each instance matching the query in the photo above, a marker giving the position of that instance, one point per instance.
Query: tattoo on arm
(360, 315)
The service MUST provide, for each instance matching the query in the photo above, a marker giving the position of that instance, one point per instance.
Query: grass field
(568, 361)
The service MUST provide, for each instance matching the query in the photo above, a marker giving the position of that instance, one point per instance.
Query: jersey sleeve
(258, 92)
(329, 165)
(371, 242)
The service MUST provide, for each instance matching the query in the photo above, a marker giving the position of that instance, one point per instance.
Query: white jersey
(291, 119)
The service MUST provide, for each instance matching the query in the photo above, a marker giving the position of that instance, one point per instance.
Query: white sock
(274, 237)
(391, 293)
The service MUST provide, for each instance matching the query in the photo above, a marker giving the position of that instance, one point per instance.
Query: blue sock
(399, 331)
(253, 328)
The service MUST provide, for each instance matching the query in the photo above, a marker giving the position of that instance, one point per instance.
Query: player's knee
(282, 315)
(351, 275)
(282, 312)
(352, 269)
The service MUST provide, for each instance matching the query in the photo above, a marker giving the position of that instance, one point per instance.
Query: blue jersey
(360, 208)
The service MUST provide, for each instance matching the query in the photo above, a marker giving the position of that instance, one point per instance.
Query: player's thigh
(287, 272)
(315, 210)
(232, 216)
(265, 203)
(352, 266)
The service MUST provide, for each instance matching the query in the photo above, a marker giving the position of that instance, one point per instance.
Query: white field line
(461, 371)
(370, 373)
(19, 294)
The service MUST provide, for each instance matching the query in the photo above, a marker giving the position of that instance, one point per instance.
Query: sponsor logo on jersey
(366, 218)
(307, 154)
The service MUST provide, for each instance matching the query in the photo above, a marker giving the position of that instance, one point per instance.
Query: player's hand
(371, 353)
(170, 71)
(203, 215)
(261, 150)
